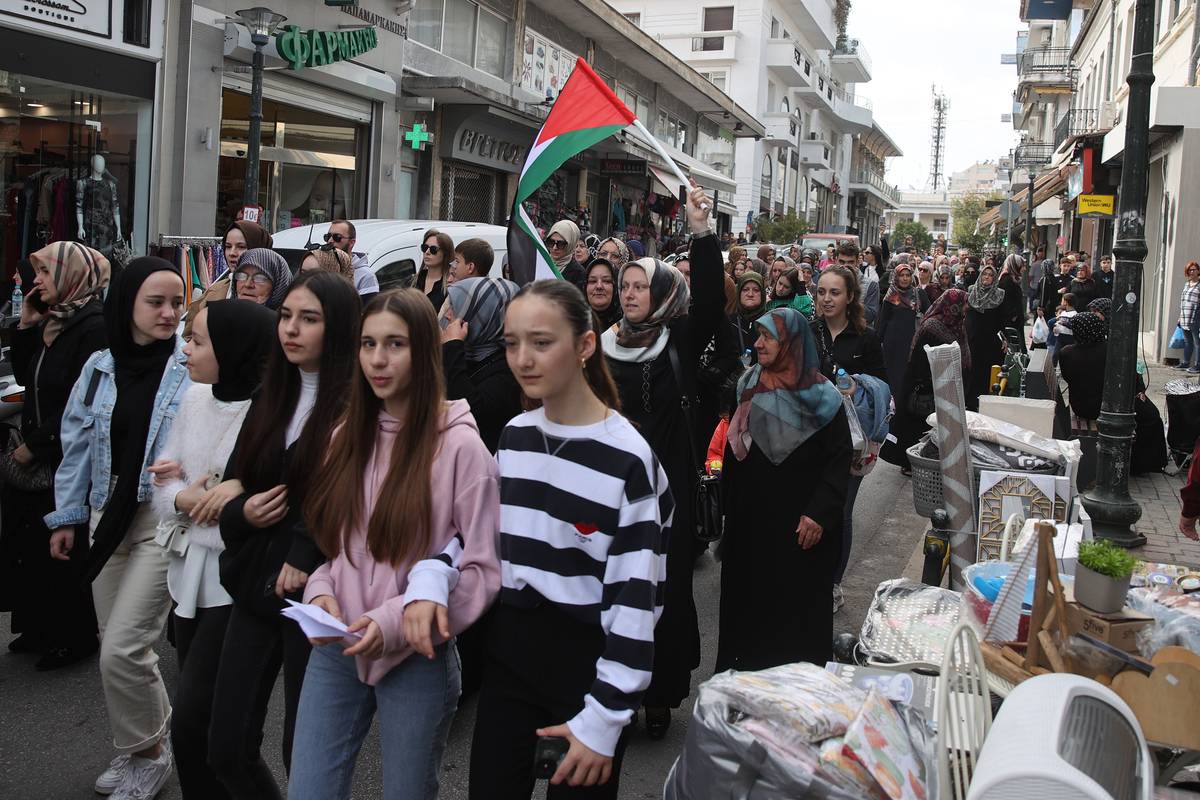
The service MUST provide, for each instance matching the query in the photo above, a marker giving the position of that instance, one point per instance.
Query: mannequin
(97, 210)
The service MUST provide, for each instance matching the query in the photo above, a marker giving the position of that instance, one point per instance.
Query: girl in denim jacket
(117, 419)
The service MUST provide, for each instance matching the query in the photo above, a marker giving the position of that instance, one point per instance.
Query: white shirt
(309, 383)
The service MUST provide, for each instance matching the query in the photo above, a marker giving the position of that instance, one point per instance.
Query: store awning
(663, 181)
(711, 179)
(1047, 185)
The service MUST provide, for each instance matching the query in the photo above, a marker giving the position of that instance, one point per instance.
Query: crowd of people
(492, 486)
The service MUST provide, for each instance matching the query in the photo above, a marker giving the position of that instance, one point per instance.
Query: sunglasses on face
(257, 278)
(432, 249)
(336, 238)
(556, 244)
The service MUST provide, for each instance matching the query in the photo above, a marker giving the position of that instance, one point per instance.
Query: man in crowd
(343, 236)
(1104, 278)
(849, 256)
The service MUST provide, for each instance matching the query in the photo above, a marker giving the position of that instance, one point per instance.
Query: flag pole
(662, 151)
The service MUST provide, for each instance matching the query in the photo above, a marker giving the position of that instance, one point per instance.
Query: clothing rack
(185, 241)
(200, 260)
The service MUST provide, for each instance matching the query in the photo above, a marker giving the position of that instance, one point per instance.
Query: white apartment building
(790, 63)
(1070, 104)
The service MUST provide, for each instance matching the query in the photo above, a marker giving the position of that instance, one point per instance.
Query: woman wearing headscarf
(943, 279)
(1082, 364)
(788, 438)
(240, 237)
(225, 358)
(1014, 296)
(61, 325)
(117, 419)
(472, 323)
(601, 291)
(902, 306)
(330, 260)
(262, 276)
(943, 323)
(751, 302)
(615, 251)
(586, 248)
(654, 353)
(561, 241)
(736, 254)
(1101, 307)
(985, 325)
(791, 292)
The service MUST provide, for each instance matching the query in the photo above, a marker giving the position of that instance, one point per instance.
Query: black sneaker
(27, 643)
(59, 657)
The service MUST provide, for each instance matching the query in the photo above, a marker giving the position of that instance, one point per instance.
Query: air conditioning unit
(1063, 736)
(1110, 113)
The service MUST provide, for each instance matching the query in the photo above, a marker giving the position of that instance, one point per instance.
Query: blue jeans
(416, 701)
(1191, 337)
(852, 486)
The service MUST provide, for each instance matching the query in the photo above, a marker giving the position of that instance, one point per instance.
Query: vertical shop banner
(585, 113)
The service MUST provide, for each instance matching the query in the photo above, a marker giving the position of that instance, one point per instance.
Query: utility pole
(937, 145)
(1112, 509)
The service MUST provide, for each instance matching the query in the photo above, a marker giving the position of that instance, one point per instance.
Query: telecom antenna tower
(937, 145)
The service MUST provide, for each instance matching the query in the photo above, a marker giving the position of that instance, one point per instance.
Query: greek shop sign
(302, 49)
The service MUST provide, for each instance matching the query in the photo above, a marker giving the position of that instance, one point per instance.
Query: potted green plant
(1102, 575)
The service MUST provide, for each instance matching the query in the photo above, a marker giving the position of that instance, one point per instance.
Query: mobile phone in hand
(548, 754)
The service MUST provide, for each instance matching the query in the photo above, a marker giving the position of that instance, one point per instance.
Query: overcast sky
(956, 44)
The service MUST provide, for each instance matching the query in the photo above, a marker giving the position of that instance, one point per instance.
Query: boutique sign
(302, 49)
(92, 17)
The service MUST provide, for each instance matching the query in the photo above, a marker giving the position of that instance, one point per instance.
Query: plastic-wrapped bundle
(909, 622)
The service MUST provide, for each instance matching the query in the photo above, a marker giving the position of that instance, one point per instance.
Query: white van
(392, 246)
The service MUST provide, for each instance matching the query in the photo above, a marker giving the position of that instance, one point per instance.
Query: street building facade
(792, 64)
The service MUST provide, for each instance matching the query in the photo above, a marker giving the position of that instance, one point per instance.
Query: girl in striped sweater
(585, 510)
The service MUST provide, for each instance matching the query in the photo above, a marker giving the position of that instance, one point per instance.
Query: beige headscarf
(79, 273)
(334, 261)
(569, 231)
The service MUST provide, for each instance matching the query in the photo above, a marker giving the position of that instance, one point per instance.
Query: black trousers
(198, 642)
(254, 649)
(538, 665)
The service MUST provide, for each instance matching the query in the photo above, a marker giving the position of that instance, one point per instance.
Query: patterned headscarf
(669, 299)
(983, 298)
(334, 260)
(946, 321)
(782, 404)
(272, 264)
(79, 273)
(622, 251)
(903, 297)
(1103, 307)
(1088, 328)
(481, 303)
(592, 243)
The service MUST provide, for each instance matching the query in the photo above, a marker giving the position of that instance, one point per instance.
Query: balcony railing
(876, 180)
(1033, 154)
(1045, 59)
(1075, 122)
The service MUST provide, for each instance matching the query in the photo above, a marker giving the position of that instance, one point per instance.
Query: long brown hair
(445, 246)
(581, 318)
(400, 525)
(736, 254)
(855, 313)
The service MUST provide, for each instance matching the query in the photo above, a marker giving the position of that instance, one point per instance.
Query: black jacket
(488, 386)
(857, 353)
(1086, 291)
(49, 373)
(1082, 367)
(1049, 296)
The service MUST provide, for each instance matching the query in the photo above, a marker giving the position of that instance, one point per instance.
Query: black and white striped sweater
(585, 512)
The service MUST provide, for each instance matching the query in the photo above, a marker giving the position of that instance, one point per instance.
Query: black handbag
(710, 515)
(920, 402)
(35, 477)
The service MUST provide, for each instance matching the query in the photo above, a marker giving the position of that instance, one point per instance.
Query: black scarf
(241, 333)
(139, 371)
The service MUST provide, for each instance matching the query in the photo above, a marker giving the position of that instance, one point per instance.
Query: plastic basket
(926, 481)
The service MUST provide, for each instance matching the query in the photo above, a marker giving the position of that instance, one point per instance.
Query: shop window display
(71, 166)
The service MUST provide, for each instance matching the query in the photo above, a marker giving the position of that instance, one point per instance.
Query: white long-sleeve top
(201, 441)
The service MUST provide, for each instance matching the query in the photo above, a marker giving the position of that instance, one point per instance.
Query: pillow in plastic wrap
(879, 740)
(844, 770)
(909, 622)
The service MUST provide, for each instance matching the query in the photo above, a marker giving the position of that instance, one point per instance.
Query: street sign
(418, 137)
(1097, 205)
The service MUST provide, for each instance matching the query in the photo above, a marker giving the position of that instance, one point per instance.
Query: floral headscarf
(79, 274)
(782, 404)
(946, 320)
(669, 299)
(272, 264)
(903, 297)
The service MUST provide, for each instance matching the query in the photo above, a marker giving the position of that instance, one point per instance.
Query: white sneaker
(112, 778)
(839, 599)
(145, 777)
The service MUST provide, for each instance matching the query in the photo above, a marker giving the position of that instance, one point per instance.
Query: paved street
(53, 739)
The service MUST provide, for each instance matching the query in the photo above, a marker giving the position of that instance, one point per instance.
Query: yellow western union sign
(1097, 204)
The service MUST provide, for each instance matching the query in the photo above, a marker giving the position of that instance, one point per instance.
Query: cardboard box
(1119, 630)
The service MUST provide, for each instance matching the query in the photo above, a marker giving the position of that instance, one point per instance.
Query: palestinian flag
(585, 113)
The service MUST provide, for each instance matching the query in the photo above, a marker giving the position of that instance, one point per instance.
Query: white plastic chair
(963, 710)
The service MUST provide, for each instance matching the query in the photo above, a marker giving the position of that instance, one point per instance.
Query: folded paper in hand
(316, 622)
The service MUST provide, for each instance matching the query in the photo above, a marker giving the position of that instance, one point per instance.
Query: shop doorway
(468, 194)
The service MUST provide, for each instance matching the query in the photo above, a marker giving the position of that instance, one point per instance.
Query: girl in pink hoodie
(406, 573)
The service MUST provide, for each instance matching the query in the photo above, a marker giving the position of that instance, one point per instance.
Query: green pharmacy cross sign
(418, 136)
(319, 48)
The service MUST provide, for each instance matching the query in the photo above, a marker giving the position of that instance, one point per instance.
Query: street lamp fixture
(261, 23)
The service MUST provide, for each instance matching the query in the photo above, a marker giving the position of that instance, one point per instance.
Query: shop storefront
(480, 147)
(77, 105)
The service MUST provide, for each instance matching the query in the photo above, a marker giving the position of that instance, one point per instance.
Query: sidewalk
(1158, 495)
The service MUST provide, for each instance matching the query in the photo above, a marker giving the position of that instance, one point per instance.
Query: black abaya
(983, 337)
(775, 606)
(897, 325)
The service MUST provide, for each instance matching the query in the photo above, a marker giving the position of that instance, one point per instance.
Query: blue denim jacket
(87, 437)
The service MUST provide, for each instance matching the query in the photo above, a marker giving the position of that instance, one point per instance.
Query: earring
(583, 363)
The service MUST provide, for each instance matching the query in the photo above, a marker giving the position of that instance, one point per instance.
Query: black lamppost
(261, 22)
(1112, 510)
